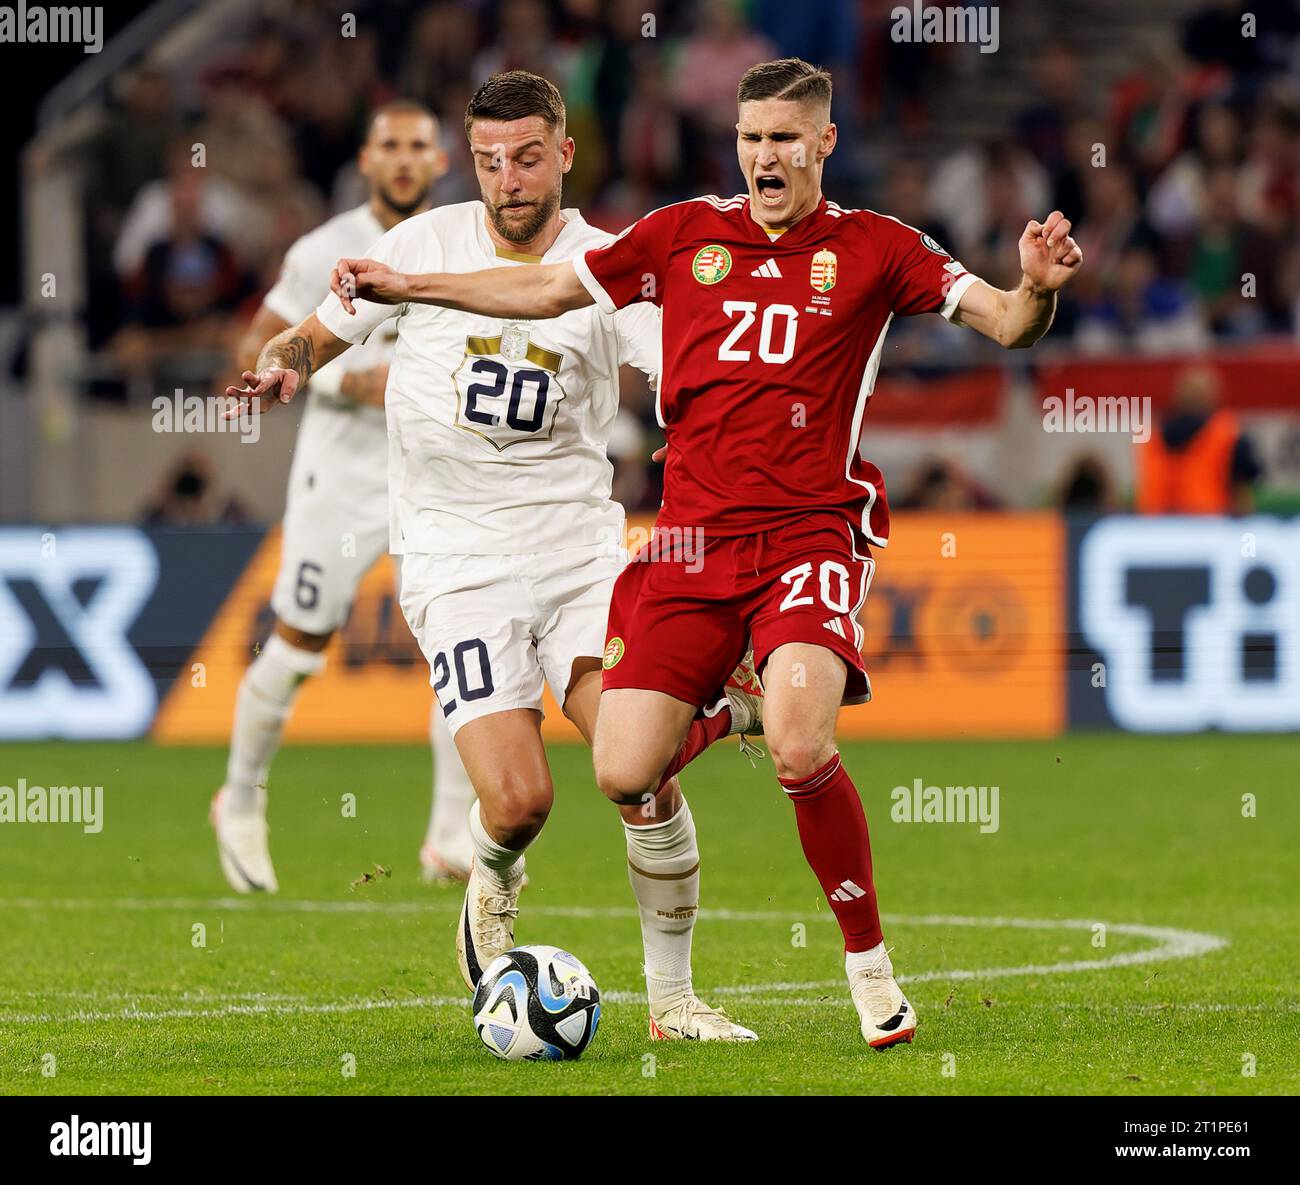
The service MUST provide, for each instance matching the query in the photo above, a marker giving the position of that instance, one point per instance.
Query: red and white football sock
(704, 730)
(833, 831)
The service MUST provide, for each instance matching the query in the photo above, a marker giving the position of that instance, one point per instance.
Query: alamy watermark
(195, 413)
(1125, 414)
(662, 545)
(53, 804)
(30, 25)
(919, 803)
(964, 24)
(89, 1137)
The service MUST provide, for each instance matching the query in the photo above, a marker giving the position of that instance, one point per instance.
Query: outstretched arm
(1018, 318)
(264, 326)
(286, 362)
(536, 293)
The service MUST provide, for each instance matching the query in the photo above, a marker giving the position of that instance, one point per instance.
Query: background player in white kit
(502, 512)
(336, 516)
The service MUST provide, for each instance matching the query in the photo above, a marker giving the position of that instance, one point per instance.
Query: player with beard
(336, 514)
(510, 541)
(775, 306)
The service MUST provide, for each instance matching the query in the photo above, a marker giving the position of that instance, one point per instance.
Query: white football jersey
(497, 429)
(304, 281)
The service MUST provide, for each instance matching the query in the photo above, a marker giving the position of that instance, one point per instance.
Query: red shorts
(686, 608)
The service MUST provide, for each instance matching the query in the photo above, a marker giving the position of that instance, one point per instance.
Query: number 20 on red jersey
(777, 323)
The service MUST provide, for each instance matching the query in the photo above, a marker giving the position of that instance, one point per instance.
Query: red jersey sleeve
(634, 265)
(921, 277)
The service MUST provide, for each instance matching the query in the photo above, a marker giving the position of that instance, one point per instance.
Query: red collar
(794, 235)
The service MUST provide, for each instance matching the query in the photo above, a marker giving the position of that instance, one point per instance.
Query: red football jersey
(770, 352)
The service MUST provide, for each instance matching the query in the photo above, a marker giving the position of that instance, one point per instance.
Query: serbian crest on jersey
(825, 268)
(711, 264)
(507, 388)
(514, 342)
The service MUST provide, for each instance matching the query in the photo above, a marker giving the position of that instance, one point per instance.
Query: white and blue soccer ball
(536, 1003)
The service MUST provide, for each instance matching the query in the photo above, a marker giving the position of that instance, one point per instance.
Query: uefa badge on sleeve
(825, 267)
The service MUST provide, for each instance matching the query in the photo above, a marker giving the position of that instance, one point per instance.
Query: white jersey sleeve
(396, 249)
(297, 289)
(638, 330)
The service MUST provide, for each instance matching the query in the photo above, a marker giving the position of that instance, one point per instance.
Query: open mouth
(771, 190)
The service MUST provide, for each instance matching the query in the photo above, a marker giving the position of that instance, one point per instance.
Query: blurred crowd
(1181, 172)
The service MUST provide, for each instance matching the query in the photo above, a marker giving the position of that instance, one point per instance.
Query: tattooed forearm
(289, 350)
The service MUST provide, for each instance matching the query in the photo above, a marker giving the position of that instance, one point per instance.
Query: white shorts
(335, 518)
(495, 627)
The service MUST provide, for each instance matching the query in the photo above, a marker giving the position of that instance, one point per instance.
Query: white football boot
(887, 1017)
(241, 844)
(487, 925)
(436, 869)
(688, 1018)
(743, 693)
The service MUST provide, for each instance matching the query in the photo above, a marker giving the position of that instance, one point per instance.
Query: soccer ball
(536, 1003)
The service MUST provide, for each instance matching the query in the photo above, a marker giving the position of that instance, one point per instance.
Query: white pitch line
(638, 998)
(129, 1013)
(1171, 944)
(183, 997)
(257, 904)
(277, 1009)
(619, 997)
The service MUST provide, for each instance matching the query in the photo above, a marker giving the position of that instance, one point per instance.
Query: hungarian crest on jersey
(711, 263)
(825, 268)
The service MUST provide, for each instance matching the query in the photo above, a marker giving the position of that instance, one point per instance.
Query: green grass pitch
(103, 988)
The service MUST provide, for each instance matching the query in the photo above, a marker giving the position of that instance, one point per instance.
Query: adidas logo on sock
(768, 270)
(847, 892)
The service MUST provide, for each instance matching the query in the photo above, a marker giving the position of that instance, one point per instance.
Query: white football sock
(499, 867)
(663, 865)
(453, 795)
(862, 959)
(262, 706)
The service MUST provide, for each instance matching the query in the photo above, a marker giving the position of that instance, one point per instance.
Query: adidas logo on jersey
(847, 892)
(768, 270)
